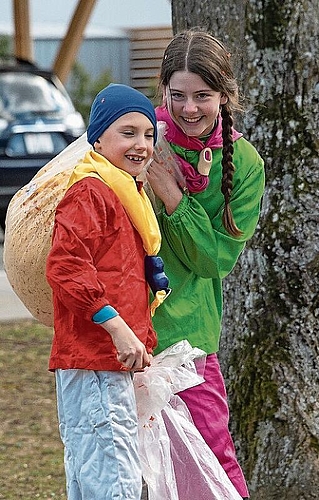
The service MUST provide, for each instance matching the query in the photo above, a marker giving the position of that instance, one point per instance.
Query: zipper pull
(205, 161)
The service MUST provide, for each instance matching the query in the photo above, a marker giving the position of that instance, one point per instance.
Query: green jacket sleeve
(195, 232)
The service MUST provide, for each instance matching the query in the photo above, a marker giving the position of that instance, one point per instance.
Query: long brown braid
(228, 169)
(199, 52)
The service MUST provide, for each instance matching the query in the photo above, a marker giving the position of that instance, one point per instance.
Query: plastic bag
(29, 226)
(176, 461)
(30, 220)
(163, 152)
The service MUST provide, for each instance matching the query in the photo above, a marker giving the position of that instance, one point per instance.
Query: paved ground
(11, 307)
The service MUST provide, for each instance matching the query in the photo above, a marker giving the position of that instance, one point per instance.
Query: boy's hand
(131, 352)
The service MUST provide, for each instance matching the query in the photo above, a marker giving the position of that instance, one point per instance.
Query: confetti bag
(29, 226)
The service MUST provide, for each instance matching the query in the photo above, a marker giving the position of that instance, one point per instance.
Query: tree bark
(270, 342)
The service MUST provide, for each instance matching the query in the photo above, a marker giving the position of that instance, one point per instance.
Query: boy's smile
(128, 142)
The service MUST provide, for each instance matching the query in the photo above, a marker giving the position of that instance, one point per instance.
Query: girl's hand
(131, 352)
(164, 185)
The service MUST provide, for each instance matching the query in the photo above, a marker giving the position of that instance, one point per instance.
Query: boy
(104, 228)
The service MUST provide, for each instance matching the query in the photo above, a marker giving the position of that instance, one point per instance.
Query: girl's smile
(193, 105)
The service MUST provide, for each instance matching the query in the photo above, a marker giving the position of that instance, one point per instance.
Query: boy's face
(128, 142)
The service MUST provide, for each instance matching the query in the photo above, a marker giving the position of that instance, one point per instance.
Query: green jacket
(198, 252)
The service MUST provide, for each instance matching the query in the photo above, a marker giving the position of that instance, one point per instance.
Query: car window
(28, 93)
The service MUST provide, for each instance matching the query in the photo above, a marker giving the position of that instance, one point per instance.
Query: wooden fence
(147, 46)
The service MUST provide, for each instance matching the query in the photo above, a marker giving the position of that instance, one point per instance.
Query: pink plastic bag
(176, 461)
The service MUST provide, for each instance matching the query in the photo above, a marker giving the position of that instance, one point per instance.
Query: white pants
(98, 427)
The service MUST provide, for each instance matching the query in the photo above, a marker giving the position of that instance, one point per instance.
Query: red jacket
(96, 259)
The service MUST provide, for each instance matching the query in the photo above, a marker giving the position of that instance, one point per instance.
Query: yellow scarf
(136, 203)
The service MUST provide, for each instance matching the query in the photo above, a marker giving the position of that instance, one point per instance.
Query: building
(132, 57)
(99, 52)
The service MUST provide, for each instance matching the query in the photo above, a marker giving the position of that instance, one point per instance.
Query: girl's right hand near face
(164, 185)
(131, 352)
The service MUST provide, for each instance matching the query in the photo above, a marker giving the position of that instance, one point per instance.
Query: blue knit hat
(113, 102)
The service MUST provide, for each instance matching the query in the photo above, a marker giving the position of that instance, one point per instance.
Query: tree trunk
(270, 342)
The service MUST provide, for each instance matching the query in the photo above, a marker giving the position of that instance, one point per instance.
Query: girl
(206, 222)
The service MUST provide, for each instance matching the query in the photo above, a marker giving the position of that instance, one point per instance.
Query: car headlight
(3, 124)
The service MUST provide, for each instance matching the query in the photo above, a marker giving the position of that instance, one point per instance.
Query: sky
(107, 15)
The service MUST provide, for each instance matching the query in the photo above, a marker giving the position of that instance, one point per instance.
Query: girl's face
(193, 105)
(128, 142)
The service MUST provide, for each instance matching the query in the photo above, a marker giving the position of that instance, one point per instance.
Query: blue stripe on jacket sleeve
(104, 314)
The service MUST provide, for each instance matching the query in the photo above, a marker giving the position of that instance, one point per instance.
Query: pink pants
(207, 404)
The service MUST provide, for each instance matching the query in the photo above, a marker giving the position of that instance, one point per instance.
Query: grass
(31, 453)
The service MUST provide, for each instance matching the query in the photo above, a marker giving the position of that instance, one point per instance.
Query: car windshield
(29, 93)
